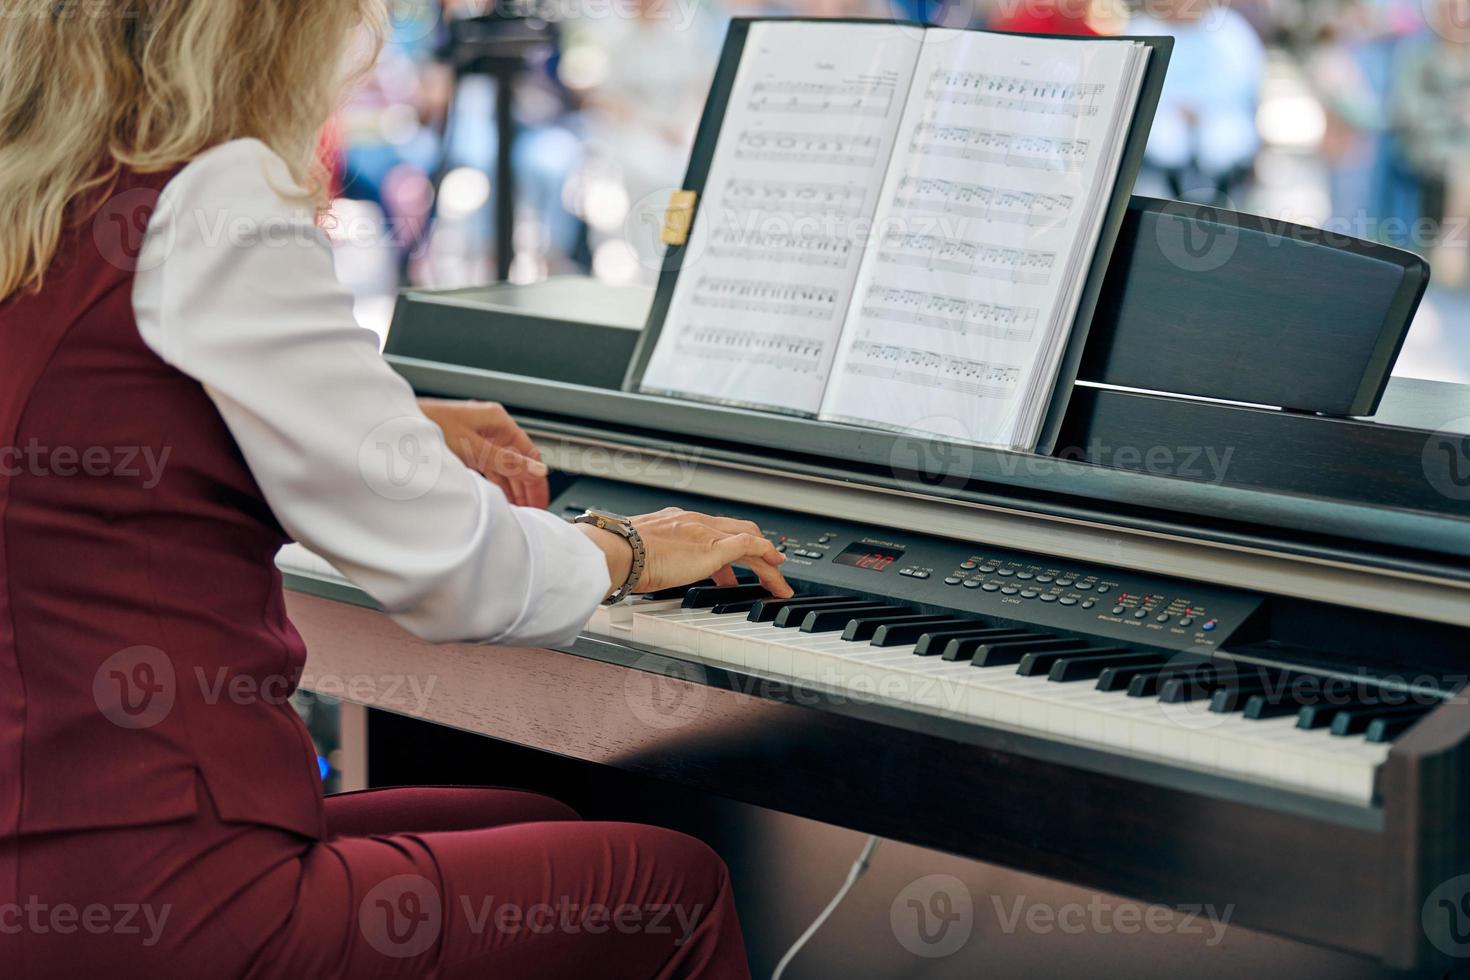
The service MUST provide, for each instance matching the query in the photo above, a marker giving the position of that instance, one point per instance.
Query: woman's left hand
(489, 441)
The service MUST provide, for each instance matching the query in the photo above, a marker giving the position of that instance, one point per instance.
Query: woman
(184, 388)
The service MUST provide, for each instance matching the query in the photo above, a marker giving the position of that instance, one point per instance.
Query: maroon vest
(144, 642)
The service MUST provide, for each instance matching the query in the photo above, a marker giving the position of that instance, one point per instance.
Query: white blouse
(235, 288)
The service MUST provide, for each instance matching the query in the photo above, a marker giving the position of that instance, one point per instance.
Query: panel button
(1104, 589)
(1068, 600)
(967, 565)
(1027, 576)
(1066, 581)
(1140, 614)
(988, 568)
(990, 587)
(1043, 579)
(953, 580)
(1119, 610)
(1048, 597)
(1029, 594)
(1084, 586)
(972, 583)
(1006, 572)
(1162, 618)
(1088, 603)
(1187, 621)
(919, 573)
(1009, 590)
(905, 571)
(1209, 625)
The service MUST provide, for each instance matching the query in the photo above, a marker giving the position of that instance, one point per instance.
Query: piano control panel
(939, 574)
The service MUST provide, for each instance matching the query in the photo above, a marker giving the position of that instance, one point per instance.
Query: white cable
(854, 873)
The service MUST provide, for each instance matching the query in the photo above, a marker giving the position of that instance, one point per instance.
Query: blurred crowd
(1347, 114)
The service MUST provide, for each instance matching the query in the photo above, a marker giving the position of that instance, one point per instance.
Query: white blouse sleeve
(235, 288)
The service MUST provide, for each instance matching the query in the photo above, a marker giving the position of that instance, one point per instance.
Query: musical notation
(980, 201)
(787, 352)
(1051, 153)
(807, 148)
(755, 296)
(790, 197)
(872, 98)
(972, 258)
(800, 249)
(1019, 94)
(912, 365)
(952, 313)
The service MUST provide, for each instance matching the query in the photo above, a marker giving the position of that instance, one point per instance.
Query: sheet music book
(896, 226)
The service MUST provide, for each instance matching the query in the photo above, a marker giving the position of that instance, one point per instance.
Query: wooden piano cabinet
(1290, 865)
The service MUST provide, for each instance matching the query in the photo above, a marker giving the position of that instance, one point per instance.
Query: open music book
(897, 224)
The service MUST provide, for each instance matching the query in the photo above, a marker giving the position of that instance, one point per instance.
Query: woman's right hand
(684, 547)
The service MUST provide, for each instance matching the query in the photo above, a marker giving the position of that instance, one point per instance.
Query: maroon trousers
(431, 883)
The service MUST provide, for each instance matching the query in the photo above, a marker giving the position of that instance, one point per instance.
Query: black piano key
(733, 607)
(1119, 678)
(897, 634)
(861, 629)
(792, 616)
(1231, 696)
(827, 620)
(1211, 677)
(765, 610)
(1087, 667)
(677, 590)
(1263, 706)
(1038, 664)
(1320, 715)
(1009, 652)
(1150, 683)
(1389, 728)
(963, 648)
(708, 596)
(1355, 721)
(932, 643)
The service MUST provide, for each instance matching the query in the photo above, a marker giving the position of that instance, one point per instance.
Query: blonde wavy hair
(88, 88)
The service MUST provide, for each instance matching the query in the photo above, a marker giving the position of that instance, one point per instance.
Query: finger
(760, 556)
(491, 420)
(724, 576)
(770, 577)
(500, 466)
(528, 475)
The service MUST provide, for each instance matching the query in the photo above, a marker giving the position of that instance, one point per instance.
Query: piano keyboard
(1184, 709)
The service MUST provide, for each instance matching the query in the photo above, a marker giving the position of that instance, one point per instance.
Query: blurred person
(1431, 112)
(231, 362)
(1041, 17)
(1356, 117)
(1204, 139)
